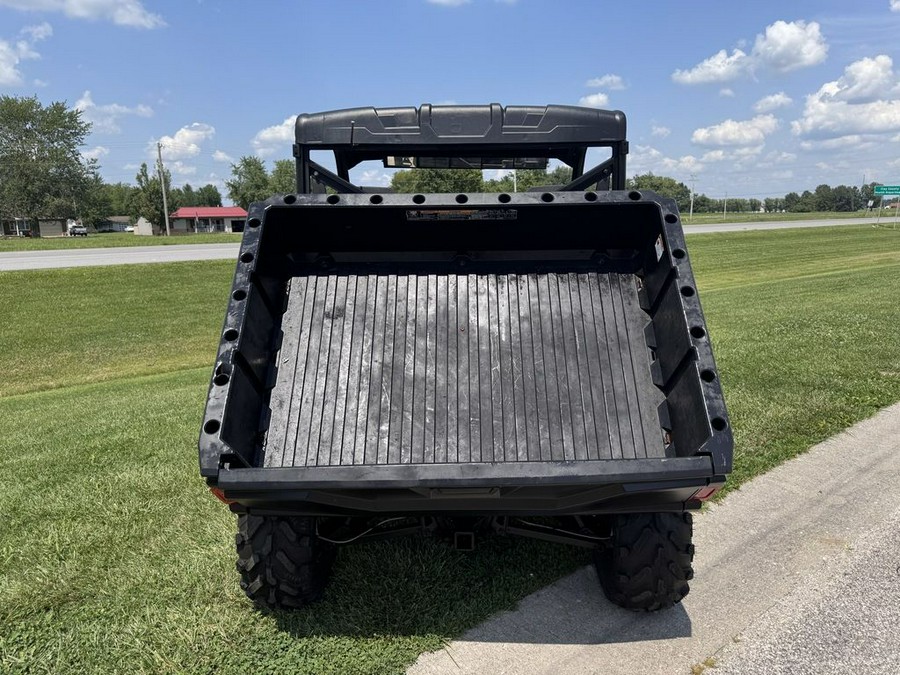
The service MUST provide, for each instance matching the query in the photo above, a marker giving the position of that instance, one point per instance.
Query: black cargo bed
(447, 368)
(540, 349)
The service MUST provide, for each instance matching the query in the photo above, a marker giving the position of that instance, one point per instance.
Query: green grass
(804, 330)
(717, 218)
(74, 326)
(113, 556)
(112, 239)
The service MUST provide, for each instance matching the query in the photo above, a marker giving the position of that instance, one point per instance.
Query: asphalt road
(120, 255)
(796, 572)
(33, 260)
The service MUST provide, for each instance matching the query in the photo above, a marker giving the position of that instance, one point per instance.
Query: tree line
(824, 198)
(44, 175)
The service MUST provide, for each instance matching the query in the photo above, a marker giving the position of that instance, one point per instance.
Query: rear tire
(282, 562)
(648, 564)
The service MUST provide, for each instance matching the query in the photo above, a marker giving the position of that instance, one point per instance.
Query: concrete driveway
(797, 572)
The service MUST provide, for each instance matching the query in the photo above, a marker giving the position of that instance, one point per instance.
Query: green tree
(844, 198)
(438, 180)
(96, 205)
(283, 180)
(148, 201)
(186, 195)
(791, 201)
(523, 179)
(42, 172)
(250, 182)
(703, 204)
(807, 202)
(867, 194)
(665, 186)
(209, 195)
(823, 198)
(119, 197)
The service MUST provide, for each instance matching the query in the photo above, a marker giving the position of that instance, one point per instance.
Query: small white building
(145, 228)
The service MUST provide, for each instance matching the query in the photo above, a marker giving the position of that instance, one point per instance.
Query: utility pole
(725, 208)
(162, 183)
(515, 182)
(693, 181)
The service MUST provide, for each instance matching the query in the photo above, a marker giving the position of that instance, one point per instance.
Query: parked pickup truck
(531, 364)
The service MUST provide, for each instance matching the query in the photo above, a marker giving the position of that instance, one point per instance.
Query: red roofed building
(208, 219)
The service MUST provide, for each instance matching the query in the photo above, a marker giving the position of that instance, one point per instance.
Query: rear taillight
(220, 495)
(704, 493)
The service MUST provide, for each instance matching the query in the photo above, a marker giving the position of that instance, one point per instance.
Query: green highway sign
(887, 189)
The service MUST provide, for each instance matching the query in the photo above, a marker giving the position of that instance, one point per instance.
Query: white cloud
(13, 53)
(105, 118)
(865, 99)
(720, 67)
(274, 138)
(748, 151)
(682, 165)
(40, 83)
(95, 153)
(776, 158)
(646, 158)
(613, 82)
(372, 177)
(598, 100)
(788, 46)
(179, 168)
(862, 81)
(660, 131)
(838, 143)
(772, 102)
(39, 32)
(121, 12)
(731, 132)
(220, 156)
(895, 5)
(785, 46)
(726, 93)
(714, 156)
(185, 143)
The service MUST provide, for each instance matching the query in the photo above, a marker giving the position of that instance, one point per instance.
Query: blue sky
(751, 98)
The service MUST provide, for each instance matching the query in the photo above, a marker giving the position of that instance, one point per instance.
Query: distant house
(42, 227)
(208, 219)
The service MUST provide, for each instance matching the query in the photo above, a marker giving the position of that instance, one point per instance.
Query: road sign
(887, 189)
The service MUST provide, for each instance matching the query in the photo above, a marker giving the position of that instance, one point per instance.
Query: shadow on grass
(423, 588)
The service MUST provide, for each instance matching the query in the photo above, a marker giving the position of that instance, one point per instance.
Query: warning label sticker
(462, 214)
(659, 248)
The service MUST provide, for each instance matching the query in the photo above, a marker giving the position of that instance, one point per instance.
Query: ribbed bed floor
(394, 369)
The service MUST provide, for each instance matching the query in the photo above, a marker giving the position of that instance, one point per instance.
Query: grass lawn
(112, 239)
(716, 218)
(73, 326)
(114, 557)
